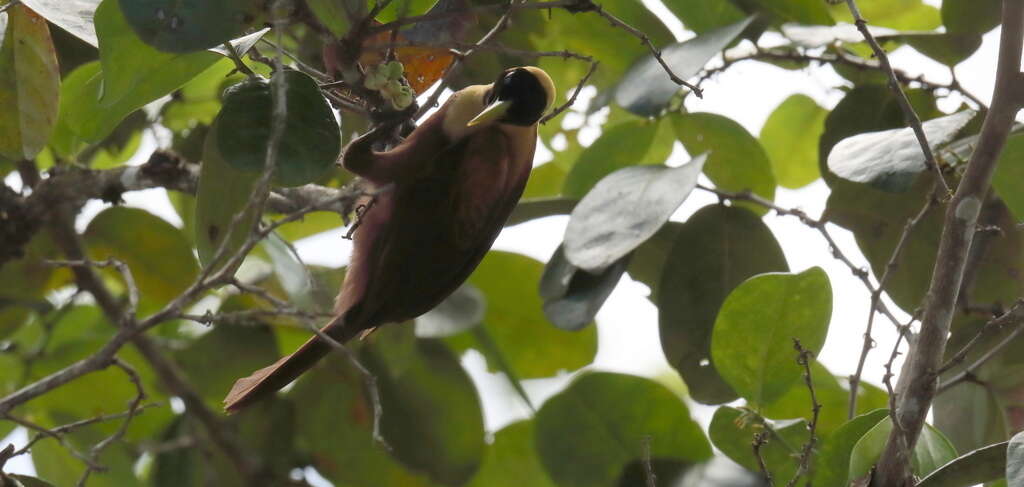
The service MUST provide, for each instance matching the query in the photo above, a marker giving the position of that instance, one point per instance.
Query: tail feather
(268, 380)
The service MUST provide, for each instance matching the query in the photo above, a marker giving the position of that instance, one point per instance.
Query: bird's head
(519, 96)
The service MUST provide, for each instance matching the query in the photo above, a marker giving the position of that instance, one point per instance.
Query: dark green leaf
(158, 255)
(531, 209)
(970, 413)
(27, 481)
(213, 361)
(511, 461)
(24, 282)
(189, 25)
(833, 463)
(223, 193)
(718, 248)
(624, 209)
(970, 16)
(732, 431)
(799, 11)
(432, 417)
(972, 468)
(587, 434)
(572, 296)
(648, 262)
(757, 325)
(790, 137)
(646, 88)
(131, 66)
(309, 144)
(892, 159)
(1009, 174)
(30, 85)
(948, 49)
(737, 161)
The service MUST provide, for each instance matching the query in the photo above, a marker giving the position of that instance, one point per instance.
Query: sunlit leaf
(790, 137)
(30, 85)
(833, 462)
(895, 14)
(718, 248)
(702, 16)
(756, 327)
(589, 432)
(511, 461)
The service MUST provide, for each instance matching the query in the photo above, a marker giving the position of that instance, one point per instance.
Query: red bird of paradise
(447, 191)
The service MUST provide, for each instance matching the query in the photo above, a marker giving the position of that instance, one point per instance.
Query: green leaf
(226, 352)
(976, 467)
(24, 283)
(948, 49)
(790, 137)
(511, 461)
(1009, 173)
(531, 209)
(624, 209)
(572, 296)
(432, 417)
(970, 16)
(336, 428)
(986, 423)
(515, 322)
(27, 481)
(57, 465)
(732, 431)
(932, 451)
(892, 159)
(648, 262)
(833, 463)
(131, 66)
(189, 25)
(402, 8)
(223, 193)
(646, 88)
(291, 272)
(136, 237)
(737, 161)
(335, 14)
(309, 144)
(30, 85)
(756, 327)
(833, 398)
(621, 145)
(545, 181)
(799, 11)
(895, 14)
(587, 434)
(718, 248)
(700, 16)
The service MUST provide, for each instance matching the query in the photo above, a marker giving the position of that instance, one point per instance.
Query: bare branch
(803, 359)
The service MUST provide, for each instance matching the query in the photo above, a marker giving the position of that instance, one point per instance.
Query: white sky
(627, 324)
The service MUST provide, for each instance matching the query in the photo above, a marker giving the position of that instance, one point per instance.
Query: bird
(442, 196)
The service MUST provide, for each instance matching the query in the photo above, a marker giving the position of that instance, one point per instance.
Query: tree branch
(918, 379)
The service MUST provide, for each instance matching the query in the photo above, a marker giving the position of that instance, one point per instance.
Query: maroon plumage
(445, 192)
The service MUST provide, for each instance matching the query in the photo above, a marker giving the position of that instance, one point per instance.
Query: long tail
(268, 380)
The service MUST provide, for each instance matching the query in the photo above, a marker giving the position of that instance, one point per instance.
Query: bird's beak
(493, 112)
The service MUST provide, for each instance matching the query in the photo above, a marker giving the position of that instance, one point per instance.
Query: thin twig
(649, 476)
(908, 110)
(572, 99)
(1013, 317)
(761, 439)
(803, 359)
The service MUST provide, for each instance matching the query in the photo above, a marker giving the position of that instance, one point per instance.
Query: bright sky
(627, 324)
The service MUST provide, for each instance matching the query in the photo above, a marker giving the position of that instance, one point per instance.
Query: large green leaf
(30, 85)
(621, 145)
(213, 361)
(223, 194)
(833, 462)
(646, 88)
(511, 460)
(757, 325)
(732, 432)
(718, 248)
(648, 262)
(790, 137)
(737, 161)
(310, 141)
(158, 254)
(336, 425)
(624, 209)
(131, 66)
(432, 417)
(833, 398)
(799, 11)
(892, 159)
(189, 25)
(972, 468)
(895, 14)
(932, 451)
(24, 283)
(587, 434)
(970, 16)
(1009, 173)
(521, 337)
